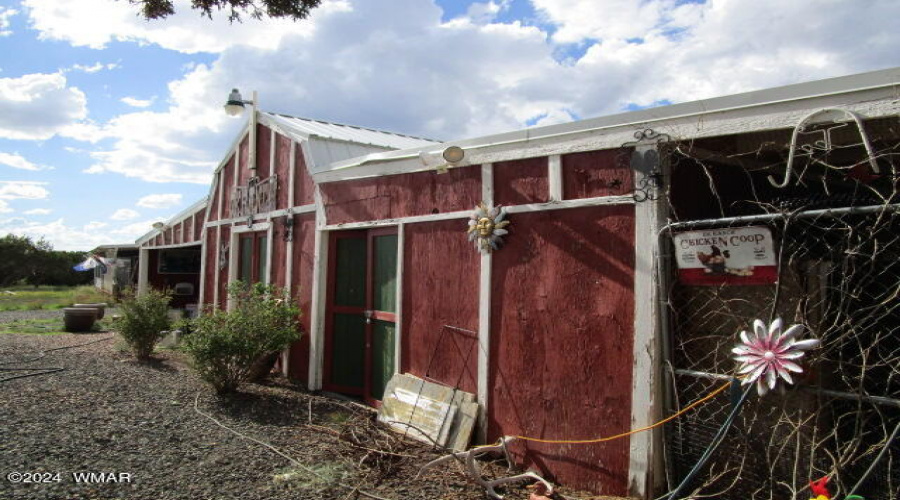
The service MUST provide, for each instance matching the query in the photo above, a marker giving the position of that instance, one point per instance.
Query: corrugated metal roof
(347, 133)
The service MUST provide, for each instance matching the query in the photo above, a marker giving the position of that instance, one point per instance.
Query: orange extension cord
(633, 431)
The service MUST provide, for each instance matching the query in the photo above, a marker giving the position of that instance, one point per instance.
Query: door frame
(234, 251)
(330, 309)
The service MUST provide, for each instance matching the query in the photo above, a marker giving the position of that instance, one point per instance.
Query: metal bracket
(644, 162)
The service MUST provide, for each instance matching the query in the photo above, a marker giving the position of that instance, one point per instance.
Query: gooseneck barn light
(234, 106)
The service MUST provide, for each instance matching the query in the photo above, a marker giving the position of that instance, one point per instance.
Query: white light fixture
(454, 154)
(235, 104)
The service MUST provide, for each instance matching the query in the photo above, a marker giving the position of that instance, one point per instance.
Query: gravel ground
(7, 316)
(107, 413)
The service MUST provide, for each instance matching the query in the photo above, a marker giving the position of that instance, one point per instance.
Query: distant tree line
(26, 261)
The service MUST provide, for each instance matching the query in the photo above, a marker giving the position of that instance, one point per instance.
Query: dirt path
(106, 413)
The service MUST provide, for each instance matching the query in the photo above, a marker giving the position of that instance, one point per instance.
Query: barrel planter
(79, 319)
(99, 306)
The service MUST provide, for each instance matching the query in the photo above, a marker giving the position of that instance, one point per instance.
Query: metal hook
(801, 128)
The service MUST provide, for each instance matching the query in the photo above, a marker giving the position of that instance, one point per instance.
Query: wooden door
(361, 312)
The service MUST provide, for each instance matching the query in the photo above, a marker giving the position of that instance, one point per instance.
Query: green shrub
(225, 344)
(143, 321)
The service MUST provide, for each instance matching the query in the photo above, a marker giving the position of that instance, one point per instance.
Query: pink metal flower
(766, 354)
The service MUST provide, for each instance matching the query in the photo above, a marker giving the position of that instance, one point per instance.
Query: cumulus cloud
(38, 211)
(5, 14)
(26, 190)
(125, 214)
(15, 160)
(159, 201)
(37, 106)
(405, 69)
(137, 103)
(4, 207)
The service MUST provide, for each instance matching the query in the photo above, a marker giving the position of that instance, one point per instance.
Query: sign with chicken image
(729, 256)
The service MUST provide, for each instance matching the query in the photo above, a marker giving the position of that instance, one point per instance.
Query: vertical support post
(484, 312)
(645, 448)
(253, 121)
(398, 328)
(289, 246)
(554, 177)
(143, 271)
(317, 316)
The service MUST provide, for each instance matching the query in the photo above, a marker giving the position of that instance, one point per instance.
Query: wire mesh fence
(839, 274)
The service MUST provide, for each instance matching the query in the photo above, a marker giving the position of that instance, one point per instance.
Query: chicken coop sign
(730, 256)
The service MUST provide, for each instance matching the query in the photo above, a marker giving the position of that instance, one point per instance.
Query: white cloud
(26, 190)
(78, 22)
(4, 207)
(94, 68)
(5, 14)
(137, 103)
(124, 214)
(77, 236)
(406, 70)
(94, 225)
(38, 106)
(15, 160)
(38, 211)
(159, 201)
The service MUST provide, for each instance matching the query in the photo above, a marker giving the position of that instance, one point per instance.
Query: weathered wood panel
(596, 173)
(263, 150)
(282, 170)
(403, 195)
(227, 187)
(189, 229)
(278, 264)
(561, 342)
(198, 227)
(440, 287)
(304, 186)
(244, 171)
(223, 273)
(304, 253)
(214, 195)
(176, 234)
(210, 265)
(521, 181)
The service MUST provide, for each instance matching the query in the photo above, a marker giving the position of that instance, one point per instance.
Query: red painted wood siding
(440, 287)
(521, 181)
(189, 230)
(227, 187)
(210, 265)
(214, 198)
(198, 226)
(402, 195)
(244, 173)
(176, 233)
(282, 170)
(223, 273)
(304, 187)
(561, 342)
(596, 173)
(278, 263)
(263, 151)
(304, 253)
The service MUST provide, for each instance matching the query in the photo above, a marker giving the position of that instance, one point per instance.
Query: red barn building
(558, 332)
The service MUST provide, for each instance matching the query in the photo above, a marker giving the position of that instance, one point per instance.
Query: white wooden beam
(317, 313)
(302, 209)
(143, 270)
(555, 177)
(645, 448)
(484, 313)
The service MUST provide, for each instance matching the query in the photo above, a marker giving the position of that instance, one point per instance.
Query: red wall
(596, 173)
(561, 342)
(520, 182)
(282, 170)
(440, 287)
(304, 187)
(402, 195)
(210, 265)
(304, 251)
(263, 151)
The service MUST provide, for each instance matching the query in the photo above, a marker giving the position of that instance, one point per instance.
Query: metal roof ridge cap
(702, 105)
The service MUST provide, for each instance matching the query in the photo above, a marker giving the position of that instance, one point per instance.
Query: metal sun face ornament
(487, 227)
(766, 354)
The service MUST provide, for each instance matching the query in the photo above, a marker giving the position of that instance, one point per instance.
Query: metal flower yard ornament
(766, 354)
(487, 227)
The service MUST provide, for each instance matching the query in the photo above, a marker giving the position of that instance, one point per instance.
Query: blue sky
(109, 123)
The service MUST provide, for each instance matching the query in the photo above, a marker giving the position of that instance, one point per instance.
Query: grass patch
(27, 298)
(48, 326)
(321, 476)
